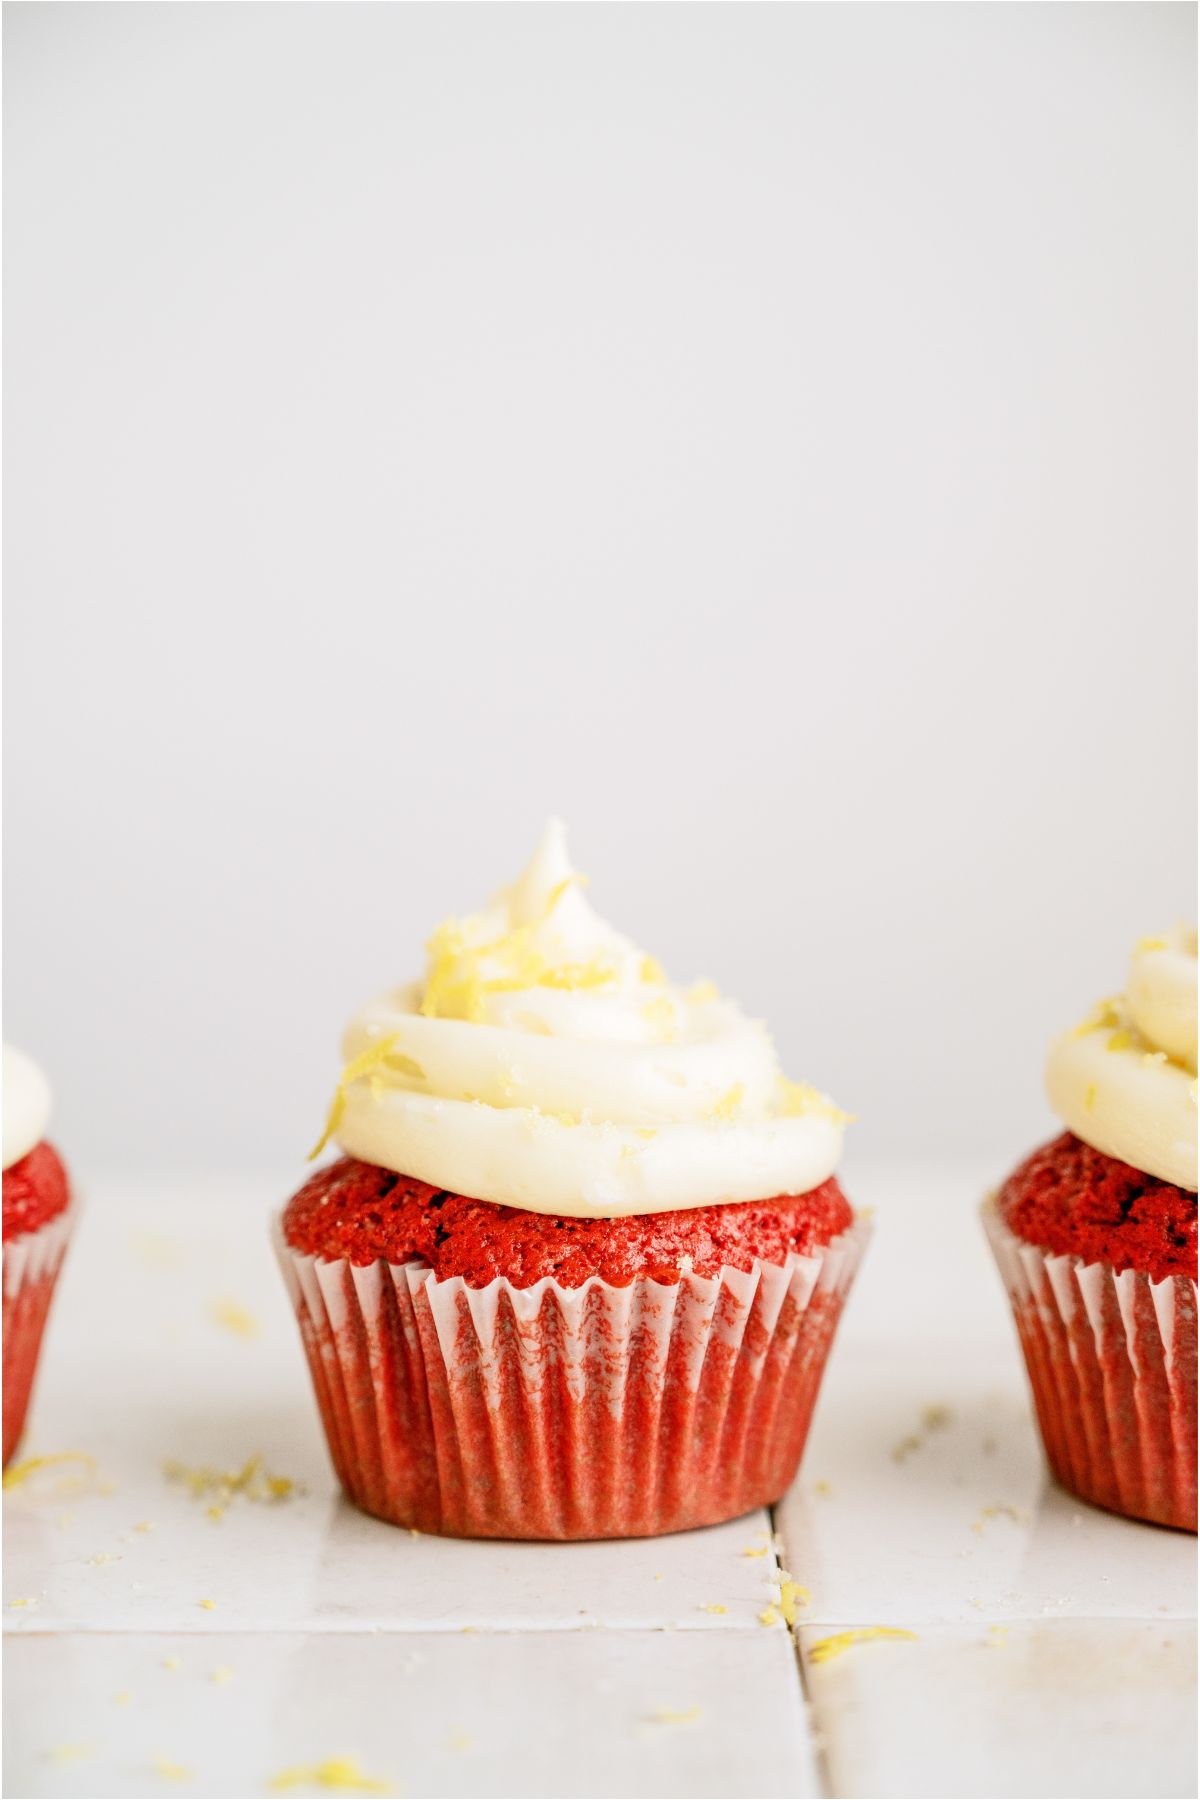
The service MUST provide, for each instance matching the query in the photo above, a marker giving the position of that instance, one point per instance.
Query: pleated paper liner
(553, 1412)
(31, 1265)
(1112, 1364)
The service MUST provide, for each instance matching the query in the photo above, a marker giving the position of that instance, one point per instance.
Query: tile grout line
(816, 1735)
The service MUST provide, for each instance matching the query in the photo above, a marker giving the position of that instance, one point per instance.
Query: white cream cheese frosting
(1125, 1080)
(546, 1063)
(26, 1105)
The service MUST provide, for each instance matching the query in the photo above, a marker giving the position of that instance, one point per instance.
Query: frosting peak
(546, 1063)
(26, 1105)
(1125, 1079)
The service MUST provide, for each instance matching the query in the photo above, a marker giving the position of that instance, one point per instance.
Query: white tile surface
(1057, 1707)
(958, 1519)
(524, 1714)
(944, 1523)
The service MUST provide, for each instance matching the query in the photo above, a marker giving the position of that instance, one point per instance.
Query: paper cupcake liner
(1112, 1364)
(553, 1412)
(31, 1265)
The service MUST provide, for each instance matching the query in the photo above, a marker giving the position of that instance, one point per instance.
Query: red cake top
(359, 1212)
(1072, 1200)
(35, 1189)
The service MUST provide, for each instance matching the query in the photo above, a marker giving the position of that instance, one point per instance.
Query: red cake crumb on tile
(1069, 1199)
(356, 1211)
(35, 1190)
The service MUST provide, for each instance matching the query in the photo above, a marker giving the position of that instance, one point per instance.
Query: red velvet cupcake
(1095, 1235)
(37, 1223)
(579, 1270)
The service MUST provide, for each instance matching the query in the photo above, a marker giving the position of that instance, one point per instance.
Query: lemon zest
(336, 1772)
(377, 1057)
(20, 1472)
(171, 1771)
(235, 1318)
(796, 1099)
(728, 1105)
(791, 1597)
(1103, 1015)
(659, 1014)
(826, 1648)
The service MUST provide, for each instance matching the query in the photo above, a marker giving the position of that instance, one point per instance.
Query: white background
(764, 435)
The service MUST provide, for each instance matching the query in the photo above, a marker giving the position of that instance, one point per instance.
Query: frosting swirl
(1125, 1080)
(26, 1105)
(546, 1063)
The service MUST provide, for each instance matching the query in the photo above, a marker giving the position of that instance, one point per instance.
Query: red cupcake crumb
(358, 1212)
(35, 1190)
(1069, 1199)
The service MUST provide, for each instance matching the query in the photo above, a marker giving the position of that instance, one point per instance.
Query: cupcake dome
(578, 1270)
(1095, 1234)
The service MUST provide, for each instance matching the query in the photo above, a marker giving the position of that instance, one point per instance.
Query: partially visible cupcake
(1095, 1235)
(37, 1222)
(580, 1267)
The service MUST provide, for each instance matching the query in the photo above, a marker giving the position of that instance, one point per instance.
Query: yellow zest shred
(659, 1014)
(171, 1771)
(664, 1715)
(825, 1649)
(651, 972)
(253, 1481)
(1089, 1097)
(702, 993)
(207, 1605)
(714, 1607)
(69, 1753)
(769, 1615)
(21, 1472)
(1004, 1511)
(1120, 1040)
(339, 1773)
(221, 1674)
(378, 1058)
(796, 1099)
(997, 1636)
(729, 1103)
(755, 1550)
(1152, 943)
(791, 1597)
(235, 1318)
(463, 973)
(1104, 1015)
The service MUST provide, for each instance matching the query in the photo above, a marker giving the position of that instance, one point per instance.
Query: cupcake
(578, 1269)
(37, 1222)
(1095, 1235)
